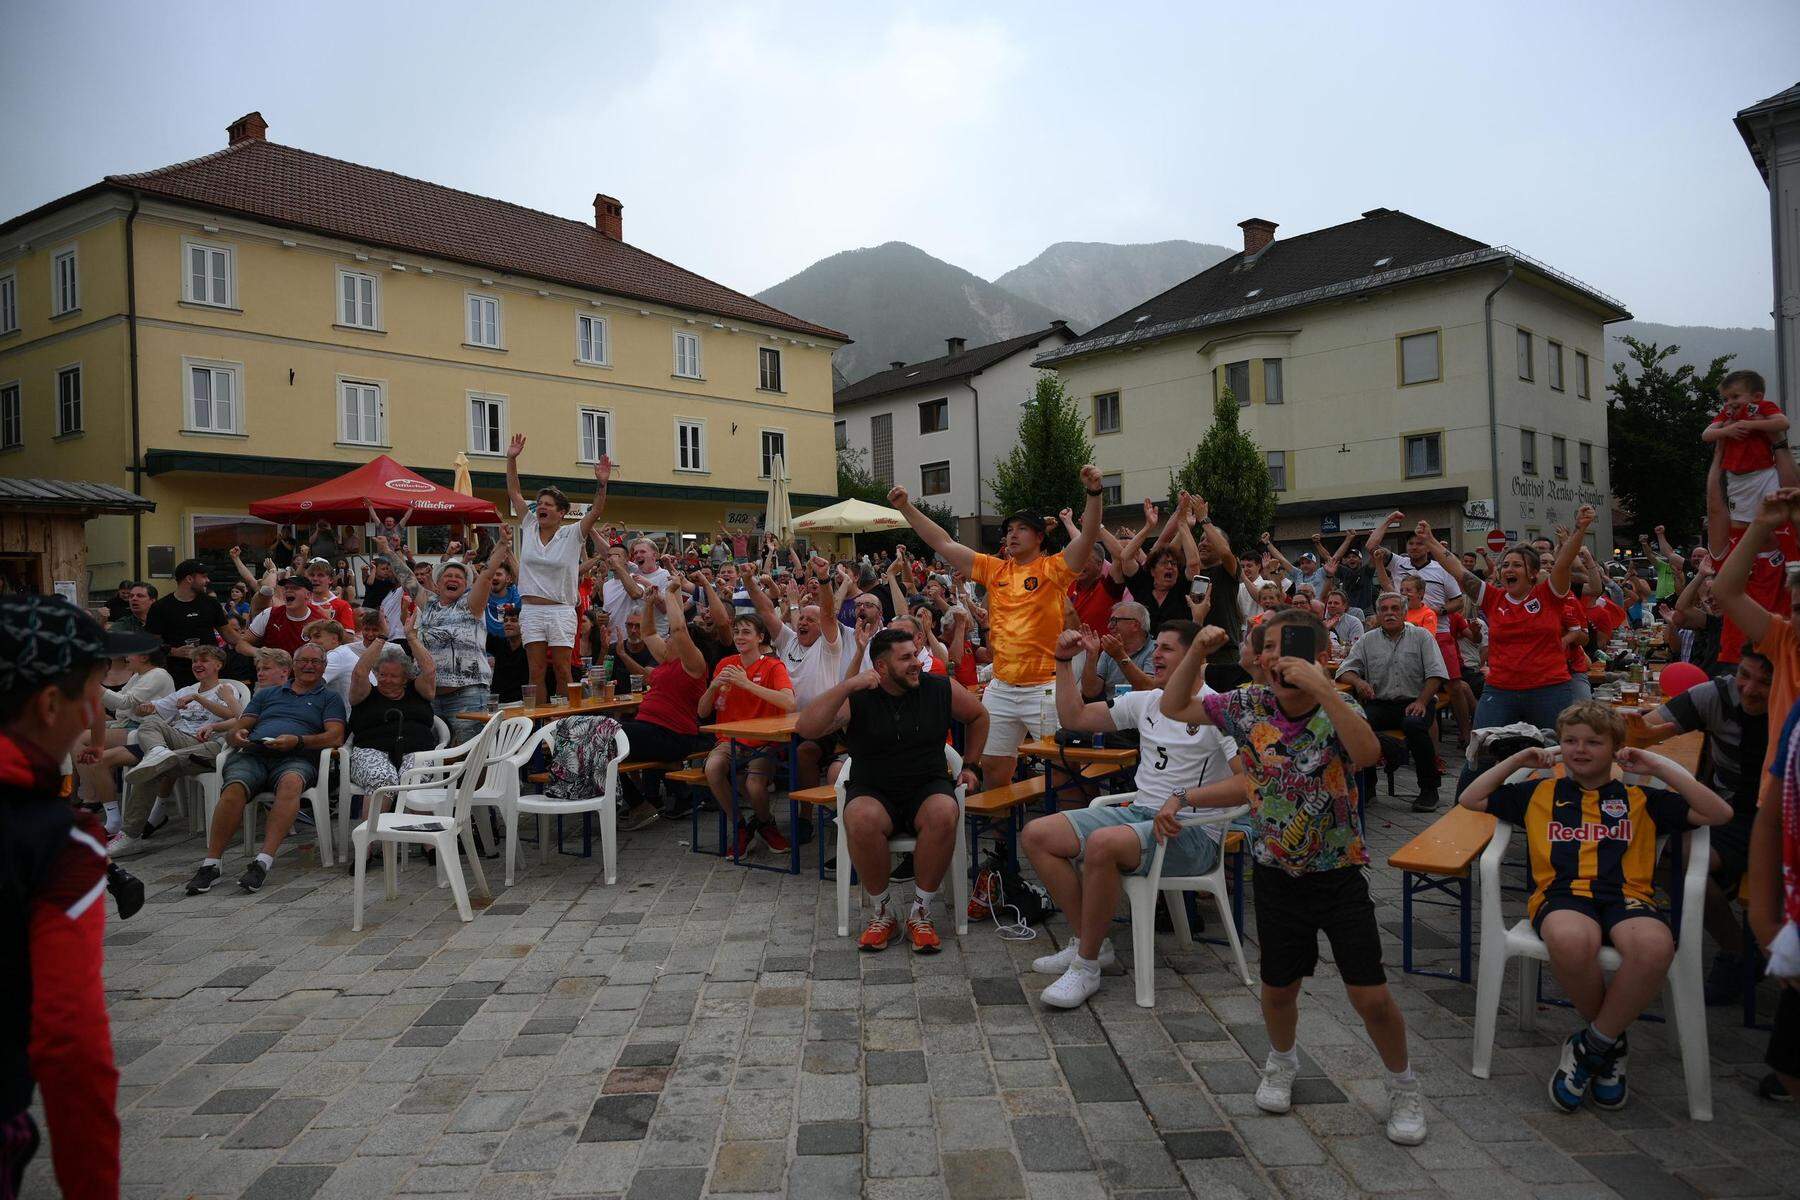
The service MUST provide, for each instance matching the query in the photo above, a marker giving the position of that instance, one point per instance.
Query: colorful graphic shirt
(1303, 816)
(1599, 845)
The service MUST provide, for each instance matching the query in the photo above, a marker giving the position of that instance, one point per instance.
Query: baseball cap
(49, 637)
(189, 566)
(1030, 520)
(292, 580)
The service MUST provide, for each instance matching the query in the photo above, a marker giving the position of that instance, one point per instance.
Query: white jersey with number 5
(1171, 753)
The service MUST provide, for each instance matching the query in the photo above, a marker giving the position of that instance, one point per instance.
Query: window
(590, 339)
(690, 445)
(840, 434)
(1581, 375)
(1112, 489)
(774, 445)
(207, 279)
(1420, 358)
(1525, 368)
(934, 479)
(768, 363)
(1528, 451)
(9, 303)
(357, 296)
(1278, 470)
(1106, 412)
(1559, 457)
(1424, 455)
(1556, 366)
(213, 405)
(65, 283)
(484, 320)
(595, 429)
(364, 413)
(12, 417)
(687, 355)
(487, 424)
(68, 401)
(1587, 462)
(1237, 378)
(934, 416)
(1272, 381)
(881, 447)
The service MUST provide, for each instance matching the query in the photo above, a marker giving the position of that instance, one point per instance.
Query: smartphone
(1299, 641)
(1201, 586)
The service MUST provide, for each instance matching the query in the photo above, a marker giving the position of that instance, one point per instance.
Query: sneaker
(1406, 1114)
(772, 837)
(254, 874)
(746, 842)
(1724, 980)
(150, 766)
(641, 817)
(882, 930)
(151, 827)
(1770, 1088)
(1062, 960)
(304, 817)
(203, 880)
(922, 934)
(1276, 1091)
(1072, 988)
(903, 870)
(1608, 1089)
(123, 845)
(1574, 1074)
(1427, 802)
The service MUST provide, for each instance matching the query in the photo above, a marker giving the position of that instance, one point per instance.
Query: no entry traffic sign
(1496, 540)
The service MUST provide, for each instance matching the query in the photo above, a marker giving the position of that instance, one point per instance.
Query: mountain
(1091, 282)
(1754, 349)
(900, 303)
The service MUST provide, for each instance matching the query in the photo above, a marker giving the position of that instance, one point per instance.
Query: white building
(1383, 363)
(938, 426)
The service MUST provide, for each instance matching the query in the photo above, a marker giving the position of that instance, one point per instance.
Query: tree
(1229, 471)
(1043, 473)
(1657, 461)
(857, 482)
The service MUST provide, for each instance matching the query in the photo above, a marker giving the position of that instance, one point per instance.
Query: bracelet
(1096, 491)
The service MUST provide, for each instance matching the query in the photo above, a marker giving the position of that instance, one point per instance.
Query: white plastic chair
(959, 857)
(499, 786)
(606, 804)
(348, 790)
(1683, 996)
(1141, 890)
(317, 797)
(440, 831)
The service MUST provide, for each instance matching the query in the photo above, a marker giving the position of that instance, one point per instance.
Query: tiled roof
(302, 190)
(941, 370)
(60, 493)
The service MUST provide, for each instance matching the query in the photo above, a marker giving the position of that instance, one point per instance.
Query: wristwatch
(1179, 795)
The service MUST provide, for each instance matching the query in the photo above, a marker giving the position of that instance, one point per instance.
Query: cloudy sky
(746, 142)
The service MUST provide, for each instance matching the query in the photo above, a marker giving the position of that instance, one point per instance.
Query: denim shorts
(1192, 852)
(260, 772)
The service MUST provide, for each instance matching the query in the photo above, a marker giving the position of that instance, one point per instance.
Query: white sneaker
(123, 845)
(1062, 960)
(1072, 989)
(150, 766)
(1406, 1114)
(1276, 1091)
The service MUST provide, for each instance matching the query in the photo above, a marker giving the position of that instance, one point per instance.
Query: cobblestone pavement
(699, 1029)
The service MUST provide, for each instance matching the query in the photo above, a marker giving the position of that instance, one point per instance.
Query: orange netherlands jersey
(1025, 614)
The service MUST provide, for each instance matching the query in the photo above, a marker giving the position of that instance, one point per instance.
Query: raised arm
(602, 473)
(1200, 513)
(1126, 557)
(1686, 613)
(1777, 509)
(1077, 551)
(1561, 569)
(1269, 547)
(237, 564)
(895, 569)
(765, 607)
(1440, 553)
(1073, 711)
(948, 548)
(1481, 789)
(483, 587)
(409, 583)
(515, 496)
(679, 642)
(1180, 699)
(360, 687)
(1378, 535)
(425, 682)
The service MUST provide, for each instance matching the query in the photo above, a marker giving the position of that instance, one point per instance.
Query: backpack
(579, 749)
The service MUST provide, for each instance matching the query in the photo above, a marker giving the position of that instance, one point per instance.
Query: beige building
(1383, 363)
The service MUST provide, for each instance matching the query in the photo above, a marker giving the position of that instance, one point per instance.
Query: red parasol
(390, 487)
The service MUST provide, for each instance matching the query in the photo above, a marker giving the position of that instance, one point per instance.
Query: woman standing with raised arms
(549, 554)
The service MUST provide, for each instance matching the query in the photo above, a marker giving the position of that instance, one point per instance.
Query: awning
(393, 490)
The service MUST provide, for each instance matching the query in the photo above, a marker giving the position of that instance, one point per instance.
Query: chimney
(956, 344)
(1257, 234)
(609, 217)
(1059, 323)
(248, 128)
(896, 364)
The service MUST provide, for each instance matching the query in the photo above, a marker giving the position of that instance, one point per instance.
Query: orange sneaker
(882, 930)
(922, 933)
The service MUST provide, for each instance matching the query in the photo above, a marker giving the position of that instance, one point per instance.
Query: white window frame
(1112, 488)
(500, 441)
(762, 384)
(593, 321)
(72, 254)
(9, 302)
(379, 386)
(1287, 473)
(1274, 371)
(1406, 471)
(344, 317)
(188, 246)
(235, 372)
(1118, 412)
(762, 455)
(698, 424)
(699, 364)
(581, 423)
(17, 388)
(80, 400)
(932, 466)
(1582, 386)
(469, 321)
(1437, 354)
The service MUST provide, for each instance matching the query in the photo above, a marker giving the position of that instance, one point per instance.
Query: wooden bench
(823, 796)
(1439, 859)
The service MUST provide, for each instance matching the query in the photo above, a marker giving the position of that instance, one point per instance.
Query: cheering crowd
(1251, 682)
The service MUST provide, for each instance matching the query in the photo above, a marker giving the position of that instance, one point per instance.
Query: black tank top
(394, 727)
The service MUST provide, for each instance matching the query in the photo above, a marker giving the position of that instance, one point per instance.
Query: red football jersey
(1756, 452)
(1575, 618)
(1524, 638)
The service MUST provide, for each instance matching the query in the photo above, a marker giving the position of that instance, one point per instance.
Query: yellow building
(247, 323)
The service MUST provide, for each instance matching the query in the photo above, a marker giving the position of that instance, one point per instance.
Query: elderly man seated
(1396, 671)
(1119, 658)
(275, 745)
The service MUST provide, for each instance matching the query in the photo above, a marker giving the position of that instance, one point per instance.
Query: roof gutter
(131, 333)
(1487, 320)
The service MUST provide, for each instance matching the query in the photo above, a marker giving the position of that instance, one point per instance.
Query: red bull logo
(1587, 831)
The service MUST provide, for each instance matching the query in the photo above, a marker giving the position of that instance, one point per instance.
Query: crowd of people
(1246, 679)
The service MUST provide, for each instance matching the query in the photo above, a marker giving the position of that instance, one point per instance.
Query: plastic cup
(528, 695)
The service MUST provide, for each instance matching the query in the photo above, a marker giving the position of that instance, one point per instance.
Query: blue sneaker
(1574, 1074)
(1608, 1088)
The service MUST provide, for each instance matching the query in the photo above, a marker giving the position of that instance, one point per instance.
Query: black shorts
(1731, 842)
(1291, 912)
(1784, 1043)
(902, 800)
(1604, 913)
(829, 743)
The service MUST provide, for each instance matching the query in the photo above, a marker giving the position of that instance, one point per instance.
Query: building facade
(938, 426)
(1382, 364)
(247, 323)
